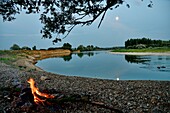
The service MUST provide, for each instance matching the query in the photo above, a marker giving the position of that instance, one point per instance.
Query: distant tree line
(87, 48)
(64, 46)
(80, 47)
(17, 47)
(145, 43)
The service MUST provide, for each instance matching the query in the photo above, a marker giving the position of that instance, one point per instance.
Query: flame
(35, 91)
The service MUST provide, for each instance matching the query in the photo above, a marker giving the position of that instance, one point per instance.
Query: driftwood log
(83, 99)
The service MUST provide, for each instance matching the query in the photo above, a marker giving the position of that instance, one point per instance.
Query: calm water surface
(109, 66)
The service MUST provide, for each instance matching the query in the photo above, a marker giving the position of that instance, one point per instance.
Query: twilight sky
(135, 22)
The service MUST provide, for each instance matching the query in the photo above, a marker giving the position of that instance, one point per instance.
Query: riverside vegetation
(145, 45)
(154, 50)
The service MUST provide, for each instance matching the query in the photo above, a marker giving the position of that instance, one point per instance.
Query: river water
(103, 65)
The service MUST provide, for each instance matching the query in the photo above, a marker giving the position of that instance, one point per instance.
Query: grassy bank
(7, 56)
(26, 58)
(154, 50)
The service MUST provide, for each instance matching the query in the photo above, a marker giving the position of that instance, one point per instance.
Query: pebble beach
(126, 96)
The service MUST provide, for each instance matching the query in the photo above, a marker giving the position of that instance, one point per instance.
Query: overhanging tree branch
(60, 16)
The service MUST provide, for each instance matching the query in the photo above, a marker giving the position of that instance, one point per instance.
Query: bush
(15, 47)
(67, 46)
(25, 48)
(34, 48)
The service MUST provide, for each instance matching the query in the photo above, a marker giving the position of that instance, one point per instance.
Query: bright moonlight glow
(117, 18)
(117, 79)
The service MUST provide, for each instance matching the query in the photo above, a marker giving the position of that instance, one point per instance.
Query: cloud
(137, 2)
(12, 35)
(7, 35)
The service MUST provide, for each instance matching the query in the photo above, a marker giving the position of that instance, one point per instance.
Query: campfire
(41, 98)
(31, 100)
(36, 93)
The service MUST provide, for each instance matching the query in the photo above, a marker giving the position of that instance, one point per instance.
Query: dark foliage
(25, 48)
(15, 47)
(136, 59)
(34, 48)
(60, 16)
(146, 41)
(67, 46)
(87, 48)
(67, 58)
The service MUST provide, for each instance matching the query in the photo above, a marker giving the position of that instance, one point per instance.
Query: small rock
(44, 78)
(156, 110)
(153, 100)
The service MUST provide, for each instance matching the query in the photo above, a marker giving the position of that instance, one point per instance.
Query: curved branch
(68, 32)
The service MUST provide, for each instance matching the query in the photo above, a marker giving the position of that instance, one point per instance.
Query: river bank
(127, 96)
(143, 53)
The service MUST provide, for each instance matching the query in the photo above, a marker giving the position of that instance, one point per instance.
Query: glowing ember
(36, 92)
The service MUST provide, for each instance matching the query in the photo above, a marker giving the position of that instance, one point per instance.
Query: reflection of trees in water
(67, 58)
(168, 58)
(90, 54)
(80, 55)
(157, 64)
(136, 59)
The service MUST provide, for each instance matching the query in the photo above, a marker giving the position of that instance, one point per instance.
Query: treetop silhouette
(60, 16)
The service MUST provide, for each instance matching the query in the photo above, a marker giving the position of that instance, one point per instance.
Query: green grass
(7, 56)
(4, 59)
(155, 50)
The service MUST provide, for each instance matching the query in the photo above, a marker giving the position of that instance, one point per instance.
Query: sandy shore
(141, 53)
(126, 96)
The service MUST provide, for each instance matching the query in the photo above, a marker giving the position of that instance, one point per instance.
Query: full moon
(117, 18)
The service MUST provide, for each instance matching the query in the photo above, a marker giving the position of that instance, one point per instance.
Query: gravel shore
(127, 96)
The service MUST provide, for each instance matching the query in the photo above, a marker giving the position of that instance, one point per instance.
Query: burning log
(36, 92)
(82, 99)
